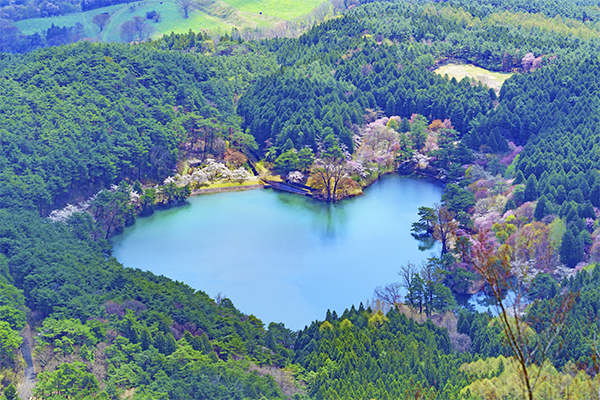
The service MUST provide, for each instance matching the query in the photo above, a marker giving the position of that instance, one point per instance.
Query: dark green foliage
(366, 355)
(486, 338)
(542, 287)
(531, 192)
(571, 248)
(106, 112)
(580, 328)
(458, 199)
(510, 205)
(595, 195)
(519, 179)
(459, 280)
(424, 227)
(553, 114)
(541, 209)
(10, 393)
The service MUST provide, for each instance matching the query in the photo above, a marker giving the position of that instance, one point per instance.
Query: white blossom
(295, 177)
(239, 175)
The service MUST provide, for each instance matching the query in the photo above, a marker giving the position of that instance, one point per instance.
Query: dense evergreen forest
(93, 135)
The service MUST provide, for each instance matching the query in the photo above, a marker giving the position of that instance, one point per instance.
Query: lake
(283, 257)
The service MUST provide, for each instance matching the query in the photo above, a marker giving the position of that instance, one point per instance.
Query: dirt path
(25, 391)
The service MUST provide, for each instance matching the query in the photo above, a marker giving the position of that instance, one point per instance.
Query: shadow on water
(425, 243)
(329, 219)
(481, 302)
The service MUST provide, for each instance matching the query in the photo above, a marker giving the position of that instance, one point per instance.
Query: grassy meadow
(221, 17)
(491, 79)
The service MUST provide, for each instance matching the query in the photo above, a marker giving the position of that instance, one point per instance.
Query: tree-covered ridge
(366, 354)
(66, 278)
(382, 50)
(81, 117)
(300, 108)
(578, 344)
(497, 41)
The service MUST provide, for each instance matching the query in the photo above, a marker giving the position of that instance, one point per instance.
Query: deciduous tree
(101, 20)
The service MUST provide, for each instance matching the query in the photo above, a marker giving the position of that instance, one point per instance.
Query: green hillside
(93, 135)
(219, 17)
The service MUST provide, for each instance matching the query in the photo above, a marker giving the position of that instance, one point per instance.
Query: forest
(94, 135)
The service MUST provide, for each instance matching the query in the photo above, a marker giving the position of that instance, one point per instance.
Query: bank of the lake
(282, 257)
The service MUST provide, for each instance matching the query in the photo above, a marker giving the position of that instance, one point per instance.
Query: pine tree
(595, 195)
(519, 179)
(145, 338)
(206, 344)
(540, 209)
(530, 193)
(10, 393)
(571, 250)
(510, 205)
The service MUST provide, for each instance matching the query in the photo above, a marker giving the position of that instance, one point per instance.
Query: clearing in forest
(491, 79)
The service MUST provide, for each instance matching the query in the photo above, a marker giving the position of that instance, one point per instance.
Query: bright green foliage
(10, 340)
(66, 334)
(69, 380)
(184, 373)
(287, 161)
(369, 355)
(306, 158)
(10, 393)
(12, 304)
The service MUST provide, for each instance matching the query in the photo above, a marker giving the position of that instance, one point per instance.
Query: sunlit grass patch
(493, 80)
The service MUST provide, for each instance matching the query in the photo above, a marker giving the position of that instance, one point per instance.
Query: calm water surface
(283, 257)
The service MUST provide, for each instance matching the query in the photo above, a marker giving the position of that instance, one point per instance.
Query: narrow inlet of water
(282, 257)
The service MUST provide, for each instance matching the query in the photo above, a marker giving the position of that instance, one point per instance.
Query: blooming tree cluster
(212, 171)
(295, 177)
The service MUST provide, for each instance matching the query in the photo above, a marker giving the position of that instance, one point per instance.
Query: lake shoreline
(256, 242)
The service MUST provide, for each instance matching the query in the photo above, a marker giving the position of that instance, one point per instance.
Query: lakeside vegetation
(94, 134)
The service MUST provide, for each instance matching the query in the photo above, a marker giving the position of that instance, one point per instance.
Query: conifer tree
(530, 193)
(519, 179)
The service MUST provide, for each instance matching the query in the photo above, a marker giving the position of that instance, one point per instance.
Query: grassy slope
(284, 9)
(459, 71)
(221, 17)
(31, 26)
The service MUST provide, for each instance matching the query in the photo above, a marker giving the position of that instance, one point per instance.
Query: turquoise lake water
(283, 257)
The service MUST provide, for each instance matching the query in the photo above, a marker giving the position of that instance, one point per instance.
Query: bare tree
(389, 294)
(444, 227)
(528, 346)
(185, 6)
(406, 273)
(329, 175)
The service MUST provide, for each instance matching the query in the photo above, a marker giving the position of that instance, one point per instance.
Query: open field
(284, 9)
(221, 17)
(39, 25)
(491, 79)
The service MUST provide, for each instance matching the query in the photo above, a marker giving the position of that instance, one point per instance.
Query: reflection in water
(328, 219)
(425, 242)
(482, 302)
(280, 256)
